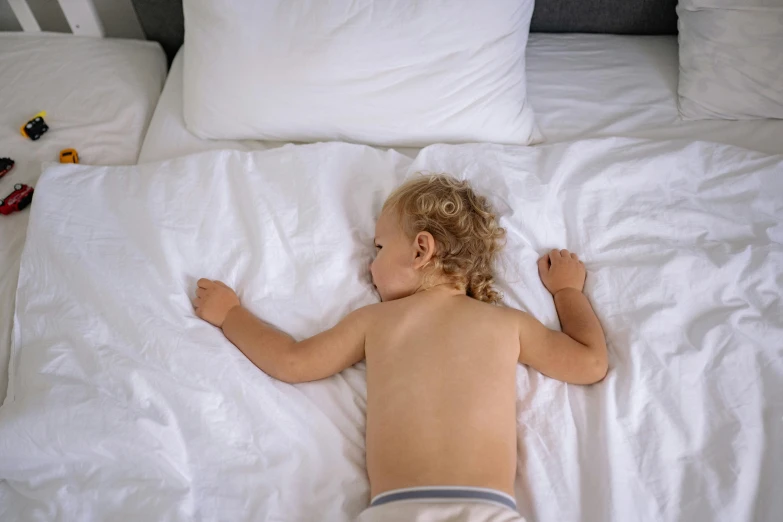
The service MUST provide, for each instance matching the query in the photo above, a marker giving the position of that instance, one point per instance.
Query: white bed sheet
(99, 95)
(126, 406)
(580, 86)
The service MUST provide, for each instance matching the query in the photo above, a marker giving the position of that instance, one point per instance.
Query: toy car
(35, 128)
(16, 200)
(69, 156)
(6, 164)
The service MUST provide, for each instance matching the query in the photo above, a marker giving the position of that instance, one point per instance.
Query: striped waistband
(446, 493)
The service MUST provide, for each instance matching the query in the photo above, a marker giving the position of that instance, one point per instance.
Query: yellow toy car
(69, 156)
(36, 127)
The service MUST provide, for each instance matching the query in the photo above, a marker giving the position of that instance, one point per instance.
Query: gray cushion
(605, 16)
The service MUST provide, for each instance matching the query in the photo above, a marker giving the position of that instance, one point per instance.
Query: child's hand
(560, 269)
(213, 301)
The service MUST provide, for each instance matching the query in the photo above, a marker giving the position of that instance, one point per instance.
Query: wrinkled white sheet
(99, 94)
(123, 405)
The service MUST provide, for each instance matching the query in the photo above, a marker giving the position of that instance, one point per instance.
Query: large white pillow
(384, 72)
(731, 59)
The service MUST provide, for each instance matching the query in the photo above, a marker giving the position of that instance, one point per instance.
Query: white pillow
(384, 72)
(731, 59)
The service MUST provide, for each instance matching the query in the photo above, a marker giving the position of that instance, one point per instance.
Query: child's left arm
(277, 353)
(577, 354)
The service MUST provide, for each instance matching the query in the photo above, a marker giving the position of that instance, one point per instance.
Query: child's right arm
(275, 352)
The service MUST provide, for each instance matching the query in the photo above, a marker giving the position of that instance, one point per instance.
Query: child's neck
(440, 287)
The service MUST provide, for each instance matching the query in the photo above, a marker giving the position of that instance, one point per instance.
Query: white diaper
(442, 504)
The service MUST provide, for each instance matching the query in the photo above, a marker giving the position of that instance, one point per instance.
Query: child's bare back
(441, 354)
(441, 393)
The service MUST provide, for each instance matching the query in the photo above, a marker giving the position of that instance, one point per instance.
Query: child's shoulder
(489, 311)
(501, 312)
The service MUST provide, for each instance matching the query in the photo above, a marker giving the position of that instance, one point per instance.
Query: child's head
(435, 230)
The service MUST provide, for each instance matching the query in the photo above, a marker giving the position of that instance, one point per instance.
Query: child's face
(393, 271)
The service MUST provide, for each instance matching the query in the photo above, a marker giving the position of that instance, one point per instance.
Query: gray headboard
(162, 19)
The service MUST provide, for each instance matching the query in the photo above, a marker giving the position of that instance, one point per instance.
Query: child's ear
(424, 246)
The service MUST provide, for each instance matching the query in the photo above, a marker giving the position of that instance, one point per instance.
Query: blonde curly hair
(463, 224)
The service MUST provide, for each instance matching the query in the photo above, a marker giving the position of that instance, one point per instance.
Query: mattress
(99, 95)
(580, 86)
(128, 407)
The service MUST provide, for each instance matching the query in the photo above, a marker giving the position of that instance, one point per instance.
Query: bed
(127, 406)
(100, 105)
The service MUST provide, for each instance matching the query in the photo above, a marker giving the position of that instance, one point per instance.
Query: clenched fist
(213, 301)
(560, 269)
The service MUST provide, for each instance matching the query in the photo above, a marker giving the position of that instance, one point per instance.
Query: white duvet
(124, 406)
(99, 94)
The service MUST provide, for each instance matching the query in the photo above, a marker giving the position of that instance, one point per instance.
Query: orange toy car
(69, 156)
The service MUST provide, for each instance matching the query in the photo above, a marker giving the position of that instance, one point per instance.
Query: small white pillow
(731, 59)
(383, 72)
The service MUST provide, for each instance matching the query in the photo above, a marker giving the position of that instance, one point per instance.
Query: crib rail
(81, 15)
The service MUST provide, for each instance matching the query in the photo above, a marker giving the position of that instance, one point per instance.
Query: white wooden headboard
(83, 17)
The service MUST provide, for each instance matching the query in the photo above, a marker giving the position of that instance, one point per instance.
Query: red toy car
(17, 200)
(6, 164)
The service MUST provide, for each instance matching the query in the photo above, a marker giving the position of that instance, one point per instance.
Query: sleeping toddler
(441, 354)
